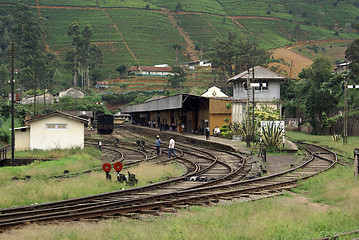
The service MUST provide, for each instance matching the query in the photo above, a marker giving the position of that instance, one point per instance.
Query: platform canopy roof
(187, 102)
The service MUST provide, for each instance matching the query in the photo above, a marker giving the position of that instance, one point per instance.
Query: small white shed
(54, 130)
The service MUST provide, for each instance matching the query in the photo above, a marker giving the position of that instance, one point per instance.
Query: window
(56, 126)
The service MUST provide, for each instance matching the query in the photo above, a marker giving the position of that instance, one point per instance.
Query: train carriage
(105, 124)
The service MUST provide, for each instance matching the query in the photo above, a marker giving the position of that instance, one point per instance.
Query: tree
(74, 31)
(178, 7)
(229, 52)
(4, 78)
(122, 69)
(221, 54)
(86, 56)
(177, 78)
(314, 92)
(29, 38)
(177, 48)
(352, 55)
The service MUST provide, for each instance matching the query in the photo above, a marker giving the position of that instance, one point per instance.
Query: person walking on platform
(207, 133)
(171, 148)
(158, 145)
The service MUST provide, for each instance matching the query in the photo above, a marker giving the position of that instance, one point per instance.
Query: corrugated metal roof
(59, 113)
(259, 73)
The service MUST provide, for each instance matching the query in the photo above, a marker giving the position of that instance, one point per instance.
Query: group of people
(171, 146)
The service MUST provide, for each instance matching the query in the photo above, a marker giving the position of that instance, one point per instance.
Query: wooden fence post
(356, 156)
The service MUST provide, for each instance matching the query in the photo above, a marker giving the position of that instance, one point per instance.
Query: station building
(264, 92)
(54, 130)
(195, 112)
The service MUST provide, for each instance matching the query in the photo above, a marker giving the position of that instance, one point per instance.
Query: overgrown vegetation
(40, 189)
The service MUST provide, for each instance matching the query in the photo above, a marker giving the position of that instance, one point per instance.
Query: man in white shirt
(217, 131)
(171, 148)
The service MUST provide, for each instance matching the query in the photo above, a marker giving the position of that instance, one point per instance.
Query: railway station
(194, 112)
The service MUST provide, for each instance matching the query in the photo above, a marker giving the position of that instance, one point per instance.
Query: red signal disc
(118, 166)
(106, 167)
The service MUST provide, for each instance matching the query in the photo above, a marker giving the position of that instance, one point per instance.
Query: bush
(227, 134)
(225, 128)
(5, 126)
(272, 135)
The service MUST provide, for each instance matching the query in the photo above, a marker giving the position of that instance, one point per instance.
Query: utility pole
(247, 115)
(253, 91)
(356, 156)
(345, 127)
(12, 105)
(35, 77)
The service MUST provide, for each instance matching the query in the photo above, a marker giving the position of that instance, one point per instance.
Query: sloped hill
(143, 32)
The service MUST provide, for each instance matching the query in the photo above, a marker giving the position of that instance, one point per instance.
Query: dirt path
(190, 48)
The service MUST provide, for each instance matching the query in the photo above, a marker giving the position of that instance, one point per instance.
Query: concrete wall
(273, 92)
(45, 139)
(22, 139)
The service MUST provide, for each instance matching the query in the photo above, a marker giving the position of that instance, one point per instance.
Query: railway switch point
(108, 176)
(121, 177)
(132, 181)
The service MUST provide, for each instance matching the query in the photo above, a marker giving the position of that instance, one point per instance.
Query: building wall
(272, 93)
(218, 112)
(45, 139)
(22, 139)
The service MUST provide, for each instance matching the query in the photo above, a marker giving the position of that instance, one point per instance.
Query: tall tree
(85, 54)
(352, 55)
(177, 78)
(29, 38)
(177, 48)
(4, 78)
(316, 97)
(74, 31)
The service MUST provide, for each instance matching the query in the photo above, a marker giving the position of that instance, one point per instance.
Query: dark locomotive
(105, 124)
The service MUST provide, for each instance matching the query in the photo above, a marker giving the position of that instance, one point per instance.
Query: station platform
(215, 142)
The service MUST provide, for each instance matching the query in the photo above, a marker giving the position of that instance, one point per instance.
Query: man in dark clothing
(158, 145)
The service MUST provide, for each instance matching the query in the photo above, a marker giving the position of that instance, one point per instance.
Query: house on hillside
(48, 98)
(50, 131)
(199, 63)
(266, 86)
(340, 68)
(102, 85)
(158, 70)
(72, 92)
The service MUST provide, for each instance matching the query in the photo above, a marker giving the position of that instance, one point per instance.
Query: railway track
(224, 170)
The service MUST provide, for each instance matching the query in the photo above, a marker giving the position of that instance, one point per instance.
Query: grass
(287, 217)
(44, 190)
(315, 210)
(325, 140)
(73, 160)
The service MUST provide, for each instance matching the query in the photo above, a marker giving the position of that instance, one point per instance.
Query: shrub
(227, 134)
(336, 138)
(272, 135)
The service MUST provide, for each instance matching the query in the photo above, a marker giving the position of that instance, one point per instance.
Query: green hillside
(131, 32)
